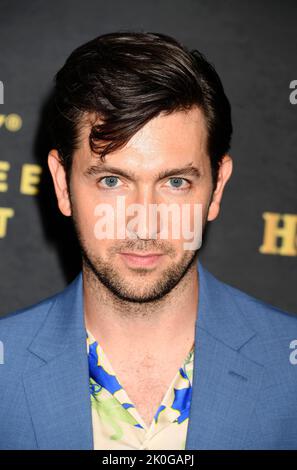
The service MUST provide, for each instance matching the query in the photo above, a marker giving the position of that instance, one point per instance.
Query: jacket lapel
(226, 381)
(56, 379)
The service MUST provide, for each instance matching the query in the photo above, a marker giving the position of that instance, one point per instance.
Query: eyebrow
(188, 170)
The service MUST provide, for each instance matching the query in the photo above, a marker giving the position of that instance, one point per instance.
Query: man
(145, 349)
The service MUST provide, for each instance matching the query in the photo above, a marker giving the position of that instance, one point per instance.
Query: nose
(142, 215)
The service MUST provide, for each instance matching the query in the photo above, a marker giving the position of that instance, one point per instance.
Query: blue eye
(110, 181)
(177, 182)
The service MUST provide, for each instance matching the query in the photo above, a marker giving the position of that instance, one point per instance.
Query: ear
(59, 178)
(224, 173)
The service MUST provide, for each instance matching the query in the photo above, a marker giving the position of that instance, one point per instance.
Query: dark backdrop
(253, 45)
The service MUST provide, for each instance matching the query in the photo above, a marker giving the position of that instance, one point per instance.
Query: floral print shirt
(115, 420)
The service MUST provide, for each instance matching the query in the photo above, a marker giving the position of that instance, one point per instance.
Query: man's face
(135, 174)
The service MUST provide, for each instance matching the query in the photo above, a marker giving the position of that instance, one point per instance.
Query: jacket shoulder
(24, 322)
(262, 316)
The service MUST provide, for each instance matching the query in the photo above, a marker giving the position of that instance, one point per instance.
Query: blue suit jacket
(244, 384)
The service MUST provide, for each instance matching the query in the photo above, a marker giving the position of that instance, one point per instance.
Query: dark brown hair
(127, 78)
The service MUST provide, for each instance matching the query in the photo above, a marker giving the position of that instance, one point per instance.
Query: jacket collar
(56, 380)
(217, 313)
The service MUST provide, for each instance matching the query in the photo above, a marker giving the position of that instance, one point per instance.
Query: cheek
(83, 213)
(196, 215)
(204, 197)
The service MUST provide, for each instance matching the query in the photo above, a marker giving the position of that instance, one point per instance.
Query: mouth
(142, 259)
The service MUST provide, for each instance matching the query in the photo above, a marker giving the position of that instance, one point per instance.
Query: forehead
(173, 139)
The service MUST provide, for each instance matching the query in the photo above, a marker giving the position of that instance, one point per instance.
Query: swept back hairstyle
(124, 79)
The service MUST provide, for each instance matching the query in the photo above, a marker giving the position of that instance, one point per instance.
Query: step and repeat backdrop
(252, 245)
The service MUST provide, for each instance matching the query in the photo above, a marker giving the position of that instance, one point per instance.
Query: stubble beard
(126, 292)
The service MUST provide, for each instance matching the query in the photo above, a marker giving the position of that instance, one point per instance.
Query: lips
(141, 260)
(142, 254)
